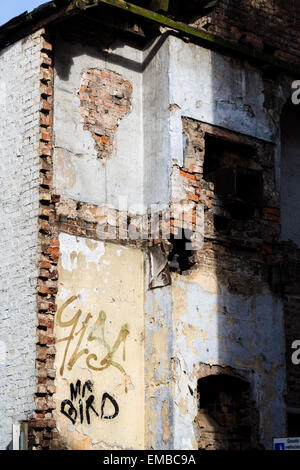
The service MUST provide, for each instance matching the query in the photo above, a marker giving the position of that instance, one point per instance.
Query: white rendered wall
(19, 201)
(100, 183)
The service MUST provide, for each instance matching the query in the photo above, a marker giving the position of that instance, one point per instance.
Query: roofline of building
(56, 10)
(29, 22)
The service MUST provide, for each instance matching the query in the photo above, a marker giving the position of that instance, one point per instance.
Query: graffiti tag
(86, 404)
(97, 334)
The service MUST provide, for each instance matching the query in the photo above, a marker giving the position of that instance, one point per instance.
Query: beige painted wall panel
(99, 332)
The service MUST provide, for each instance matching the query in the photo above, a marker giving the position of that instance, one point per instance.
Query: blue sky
(11, 8)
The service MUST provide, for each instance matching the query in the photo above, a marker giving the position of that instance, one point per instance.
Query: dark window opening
(227, 418)
(268, 48)
(226, 164)
(179, 10)
(181, 257)
(219, 151)
(222, 225)
(241, 211)
(191, 10)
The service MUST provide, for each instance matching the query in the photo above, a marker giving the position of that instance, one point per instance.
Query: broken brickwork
(231, 177)
(105, 98)
(241, 226)
(19, 206)
(223, 203)
(241, 244)
(42, 431)
(228, 417)
(268, 26)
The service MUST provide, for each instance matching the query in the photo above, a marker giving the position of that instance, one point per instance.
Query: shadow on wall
(88, 41)
(10, 446)
(246, 409)
(227, 296)
(238, 308)
(243, 309)
(240, 20)
(226, 416)
(240, 403)
(290, 209)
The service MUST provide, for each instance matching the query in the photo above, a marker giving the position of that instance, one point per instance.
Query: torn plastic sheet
(159, 269)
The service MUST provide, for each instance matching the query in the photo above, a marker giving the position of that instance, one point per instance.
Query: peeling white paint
(65, 293)
(72, 246)
(212, 88)
(94, 181)
(83, 296)
(214, 329)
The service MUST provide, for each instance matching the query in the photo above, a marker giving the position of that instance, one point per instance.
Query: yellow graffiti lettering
(97, 329)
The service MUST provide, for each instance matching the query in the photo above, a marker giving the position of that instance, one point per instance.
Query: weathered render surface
(19, 203)
(238, 318)
(80, 172)
(99, 331)
(217, 313)
(144, 342)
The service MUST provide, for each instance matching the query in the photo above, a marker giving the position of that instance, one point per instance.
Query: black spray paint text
(85, 405)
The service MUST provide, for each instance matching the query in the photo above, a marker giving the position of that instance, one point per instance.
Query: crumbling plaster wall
(192, 321)
(159, 357)
(19, 204)
(212, 325)
(216, 89)
(169, 79)
(184, 79)
(101, 284)
(79, 174)
(228, 330)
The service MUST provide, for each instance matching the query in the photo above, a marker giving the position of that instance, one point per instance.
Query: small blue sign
(286, 443)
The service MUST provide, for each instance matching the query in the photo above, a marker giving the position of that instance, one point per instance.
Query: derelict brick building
(150, 232)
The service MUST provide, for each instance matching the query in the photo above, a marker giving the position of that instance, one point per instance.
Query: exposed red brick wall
(271, 26)
(229, 241)
(227, 416)
(113, 97)
(42, 431)
(105, 98)
(230, 245)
